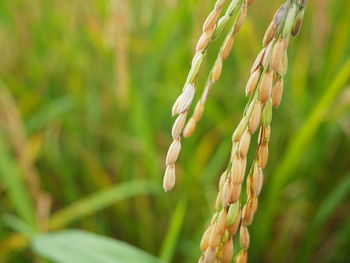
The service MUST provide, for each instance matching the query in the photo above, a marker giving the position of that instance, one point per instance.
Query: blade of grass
(341, 243)
(85, 207)
(323, 213)
(15, 186)
(96, 202)
(48, 113)
(83, 247)
(18, 225)
(171, 239)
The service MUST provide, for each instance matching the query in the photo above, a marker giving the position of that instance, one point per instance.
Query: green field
(86, 91)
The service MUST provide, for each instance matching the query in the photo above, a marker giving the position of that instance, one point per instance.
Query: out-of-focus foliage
(85, 98)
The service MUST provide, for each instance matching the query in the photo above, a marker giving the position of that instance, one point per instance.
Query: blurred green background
(86, 90)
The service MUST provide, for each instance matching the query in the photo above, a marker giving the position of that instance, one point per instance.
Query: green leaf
(15, 186)
(49, 112)
(76, 246)
(103, 199)
(171, 239)
(323, 213)
(18, 225)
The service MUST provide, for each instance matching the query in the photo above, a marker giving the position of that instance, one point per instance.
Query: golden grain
(205, 239)
(227, 251)
(277, 53)
(241, 17)
(239, 130)
(244, 237)
(221, 224)
(209, 256)
(266, 58)
(255, 117)
(211, 20)
(190, 127)
(169, 178)
(277, 92)
(227, 46)
(235, 193)
(173, 152)
(258, 60)
(216, 71)
(178, 125)
(263, 155)
(266, 86)
(258, 179)
(242, 257)
(244, 144)
(214, 237)
(252, 82)
(222, 180)
(269, 34)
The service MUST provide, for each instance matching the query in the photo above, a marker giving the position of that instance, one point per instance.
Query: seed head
(267, 114)
(252, 82)
(277, 92)
(277, 54)
(218, 201)
(220, 4)
(216, 70)
(283, 65)
(205, 239)
(298, 22)
(204, 40)
(198, 111)
(264, 134)
(235, 193)
(266, 86)
(227, 251)
(186, 98)
(241, 17)
(258, 179)
(195, 66)
(169, 178)
(226, 194)
(288, 24)
(244, 237)
(209, 256)
(175, 109)
(221, 224)
(239, 130)
(211, 20)
(227, 46)
(249, 209)
(269, 34)
(232, 229)
(255, 117)
(263, 155)
(214, 238)
(233, 213)
(258, 60)
(190, 127)
(244, 144)
(279, 14)
(237, 170)
(265, 61)
(222, 180)
(173, 152)
(178, 125)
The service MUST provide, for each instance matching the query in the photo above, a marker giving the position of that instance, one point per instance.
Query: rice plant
(86, 93)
